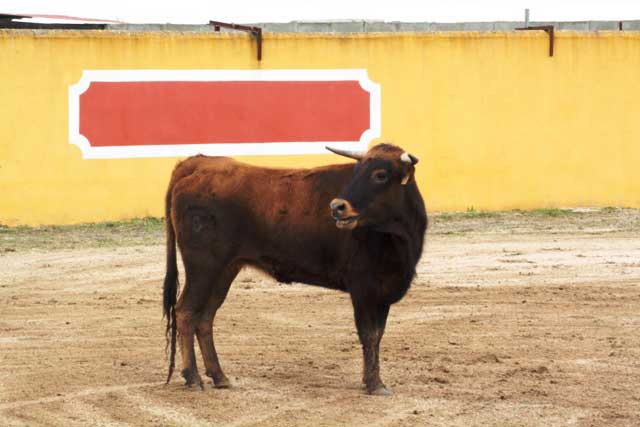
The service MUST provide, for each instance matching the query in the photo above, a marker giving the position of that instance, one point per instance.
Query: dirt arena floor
(514, 319)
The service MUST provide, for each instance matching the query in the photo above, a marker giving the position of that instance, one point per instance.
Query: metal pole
(526, 18)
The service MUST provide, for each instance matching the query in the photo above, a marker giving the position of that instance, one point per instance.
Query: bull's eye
(380, 176)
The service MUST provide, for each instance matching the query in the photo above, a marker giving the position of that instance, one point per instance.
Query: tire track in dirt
(166, 411)
(87, 414)
(76, 395)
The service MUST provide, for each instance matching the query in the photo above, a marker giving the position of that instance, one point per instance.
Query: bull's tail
(170, 286)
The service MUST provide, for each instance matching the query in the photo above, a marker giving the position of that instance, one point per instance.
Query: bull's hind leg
(204, 327)
(189, 307)
(186, 330)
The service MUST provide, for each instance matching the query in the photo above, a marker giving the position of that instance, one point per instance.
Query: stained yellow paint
(496, 122)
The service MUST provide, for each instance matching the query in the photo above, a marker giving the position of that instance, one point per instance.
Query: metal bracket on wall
(546, 28)
(256, 32)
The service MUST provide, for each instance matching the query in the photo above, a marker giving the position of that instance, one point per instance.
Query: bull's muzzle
(344, 214)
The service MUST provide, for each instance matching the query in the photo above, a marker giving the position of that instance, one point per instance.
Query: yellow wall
(496, 122)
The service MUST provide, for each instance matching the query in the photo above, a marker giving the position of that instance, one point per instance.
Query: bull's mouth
(347, 223)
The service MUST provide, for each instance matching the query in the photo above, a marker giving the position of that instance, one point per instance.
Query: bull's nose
(338, 207)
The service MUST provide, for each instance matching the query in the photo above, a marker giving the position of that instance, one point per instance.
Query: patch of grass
(13, 230)
(148, 223)
(552, 212)
(444, 216)
(472, 213)
(140, 231)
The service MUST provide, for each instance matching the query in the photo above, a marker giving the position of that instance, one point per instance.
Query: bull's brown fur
(225, 214)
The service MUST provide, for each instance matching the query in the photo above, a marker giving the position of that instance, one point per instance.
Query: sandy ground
(514, 321)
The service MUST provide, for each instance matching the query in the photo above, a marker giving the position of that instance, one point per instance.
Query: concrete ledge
(356, 26)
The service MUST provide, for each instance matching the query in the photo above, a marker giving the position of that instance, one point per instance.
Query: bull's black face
(376, 192)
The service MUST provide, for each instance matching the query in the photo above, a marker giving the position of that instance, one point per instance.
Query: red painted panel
(176, 112)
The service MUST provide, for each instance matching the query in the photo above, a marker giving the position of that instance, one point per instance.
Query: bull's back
(295, 196)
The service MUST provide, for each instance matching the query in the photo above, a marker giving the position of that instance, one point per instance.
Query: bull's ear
(407, 178)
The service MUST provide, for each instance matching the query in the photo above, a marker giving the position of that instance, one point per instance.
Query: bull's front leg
(371, 319)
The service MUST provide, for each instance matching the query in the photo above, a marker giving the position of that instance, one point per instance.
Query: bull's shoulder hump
(191, 164)
(202, 161)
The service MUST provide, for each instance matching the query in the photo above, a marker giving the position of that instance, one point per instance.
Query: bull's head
(377, 189)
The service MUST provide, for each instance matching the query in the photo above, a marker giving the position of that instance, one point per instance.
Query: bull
(354, 228)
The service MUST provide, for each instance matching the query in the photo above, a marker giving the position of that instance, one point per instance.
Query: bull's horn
(357, 155)
(409, 158)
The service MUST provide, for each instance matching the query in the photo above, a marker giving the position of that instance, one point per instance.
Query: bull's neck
(408, 229)
(405, 235)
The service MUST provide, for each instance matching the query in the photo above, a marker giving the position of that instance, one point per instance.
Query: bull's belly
(286, 272)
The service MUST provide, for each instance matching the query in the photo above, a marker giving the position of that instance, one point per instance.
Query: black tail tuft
(170, 289)
(170, 292)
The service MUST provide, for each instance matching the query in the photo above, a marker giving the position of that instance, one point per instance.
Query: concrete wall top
(356, 26)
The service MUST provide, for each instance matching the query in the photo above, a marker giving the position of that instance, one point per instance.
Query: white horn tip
(409, 158)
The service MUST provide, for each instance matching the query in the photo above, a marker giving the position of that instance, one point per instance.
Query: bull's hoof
(194, 386)
(380, 391)
(222, 383)
(192, 379)
(220, 380)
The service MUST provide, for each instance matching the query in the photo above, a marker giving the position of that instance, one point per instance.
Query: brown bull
(356, 228)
